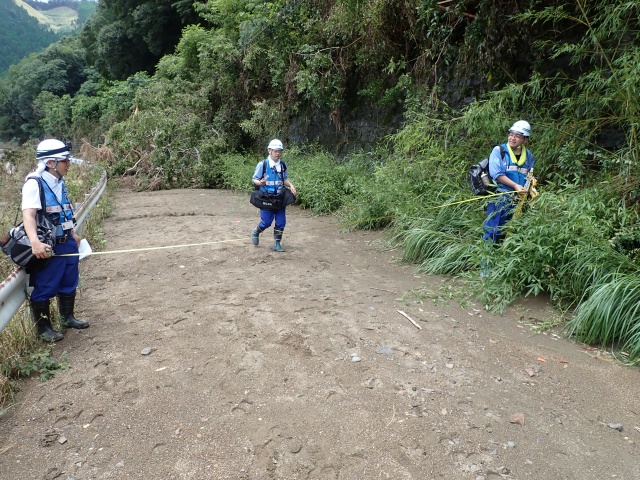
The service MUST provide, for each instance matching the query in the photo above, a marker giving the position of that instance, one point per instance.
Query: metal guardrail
(13, 290)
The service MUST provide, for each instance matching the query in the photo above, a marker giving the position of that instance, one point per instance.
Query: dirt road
(298, 365)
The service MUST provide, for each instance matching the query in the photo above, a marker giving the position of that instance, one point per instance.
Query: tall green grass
(444, 241)
(611, 314)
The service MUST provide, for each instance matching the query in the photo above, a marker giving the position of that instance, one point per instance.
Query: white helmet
(275, 144)
(522, 127)
(52, 149)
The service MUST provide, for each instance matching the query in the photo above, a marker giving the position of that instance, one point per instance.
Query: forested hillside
(20, 34)
(386, 103)
(83, 8)
(25, 31)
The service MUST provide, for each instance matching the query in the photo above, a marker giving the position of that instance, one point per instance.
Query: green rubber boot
(255, 235)
(277, 235)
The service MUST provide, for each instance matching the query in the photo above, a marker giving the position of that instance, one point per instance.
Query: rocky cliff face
(362, 123)
(341, 132)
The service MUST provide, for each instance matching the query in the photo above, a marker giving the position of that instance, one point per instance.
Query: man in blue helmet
(60, 276)
(271, 177)
(509, 165)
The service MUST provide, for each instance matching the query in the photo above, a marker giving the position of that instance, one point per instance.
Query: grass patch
(611, 316)
(451, 290)
(23, 355)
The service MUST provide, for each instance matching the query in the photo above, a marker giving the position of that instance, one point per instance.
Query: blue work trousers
(60, 275)
(498, 214)
(267, 217)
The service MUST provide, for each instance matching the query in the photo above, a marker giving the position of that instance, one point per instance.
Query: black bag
(479, 178)
(287, 197)
(265, 201)
(16, 243)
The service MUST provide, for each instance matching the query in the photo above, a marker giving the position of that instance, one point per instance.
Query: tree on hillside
(58, 70)
(129, 36)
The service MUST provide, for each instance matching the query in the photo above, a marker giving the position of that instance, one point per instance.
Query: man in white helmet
(271, 177)
(509, 165)
(60, 276)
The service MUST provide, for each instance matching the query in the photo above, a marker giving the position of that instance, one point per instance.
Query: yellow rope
(472, 199)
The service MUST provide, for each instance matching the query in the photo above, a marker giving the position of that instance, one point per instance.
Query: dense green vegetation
(125, 37)
(53, 74)
(197, 105)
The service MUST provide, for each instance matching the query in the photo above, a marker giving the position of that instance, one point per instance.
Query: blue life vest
(275, 179)
(59, 212)
(513, 171)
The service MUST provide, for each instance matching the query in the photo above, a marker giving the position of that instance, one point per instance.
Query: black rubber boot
(66, 303)
(255, 235)
(42, 319)
(277, 236)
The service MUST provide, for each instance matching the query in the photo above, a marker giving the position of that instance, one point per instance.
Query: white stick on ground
(409, 318)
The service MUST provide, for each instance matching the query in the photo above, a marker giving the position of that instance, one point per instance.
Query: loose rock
(616, 426)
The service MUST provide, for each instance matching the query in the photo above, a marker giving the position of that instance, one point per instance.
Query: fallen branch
(409, 318)
(133, 170)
